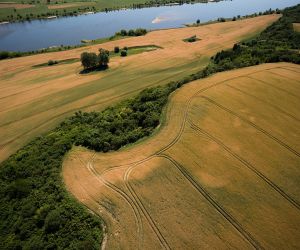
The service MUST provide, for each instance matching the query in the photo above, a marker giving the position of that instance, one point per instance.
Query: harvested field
(296, 27)
(221, 172)
(35, 99)
(16, 5)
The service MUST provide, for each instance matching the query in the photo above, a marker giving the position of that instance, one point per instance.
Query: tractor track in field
(282, 76)
(265, 102)
(132, 165)
(214, 203)
(253, 125)
(90, 95)
(145, 212)
(272, 86)
(94, 199)
(121, 193)
(290, 69)
(247, 164)
(135, 202)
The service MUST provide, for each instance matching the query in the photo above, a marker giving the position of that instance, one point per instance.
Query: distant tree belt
(41, 10)
(36, 212)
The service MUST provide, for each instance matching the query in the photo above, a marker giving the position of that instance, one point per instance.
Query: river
(39, 34)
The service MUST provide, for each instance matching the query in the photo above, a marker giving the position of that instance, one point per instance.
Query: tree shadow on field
(95, 69)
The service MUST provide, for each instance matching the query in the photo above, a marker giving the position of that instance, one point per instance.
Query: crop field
(35, 99)
(296, 27)
(222, 171)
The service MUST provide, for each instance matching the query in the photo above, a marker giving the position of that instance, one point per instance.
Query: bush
(124, 53)
(191, 39)
(89, 60)
(116, 49)
(51, 62)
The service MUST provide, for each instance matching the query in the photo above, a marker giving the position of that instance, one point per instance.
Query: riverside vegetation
(36, 210)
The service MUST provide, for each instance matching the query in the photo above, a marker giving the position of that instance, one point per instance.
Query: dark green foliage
(51, 62)
(278, 43)
(116, 49)
(191, 39)
(137, 32)
(52, 221)
(198, 21)
(36, 211)
(103, 58)
(124, 53)
(91, 61)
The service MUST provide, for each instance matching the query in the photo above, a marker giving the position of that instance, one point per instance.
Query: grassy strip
(66, 61)
(36, 212)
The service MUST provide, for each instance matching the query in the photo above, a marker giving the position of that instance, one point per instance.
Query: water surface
(71, 30)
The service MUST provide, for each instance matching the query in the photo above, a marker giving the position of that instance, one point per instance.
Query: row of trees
(131, 32)
(92, 61)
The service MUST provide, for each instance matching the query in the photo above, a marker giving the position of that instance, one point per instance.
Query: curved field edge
(108, 167)
(36, 210)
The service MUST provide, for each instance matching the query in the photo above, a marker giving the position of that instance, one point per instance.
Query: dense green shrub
(131, 32)
(124, 53)
(51, 62)
(116, 49)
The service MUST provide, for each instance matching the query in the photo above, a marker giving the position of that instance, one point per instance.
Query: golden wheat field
(34, 99)
(222, 171)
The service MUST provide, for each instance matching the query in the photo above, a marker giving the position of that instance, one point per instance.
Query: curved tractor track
(222, 172)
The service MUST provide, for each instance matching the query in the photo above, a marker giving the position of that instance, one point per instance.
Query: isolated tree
(89, 60)
(198, 21)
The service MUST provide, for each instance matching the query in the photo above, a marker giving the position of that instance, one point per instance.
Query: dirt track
(222, 172)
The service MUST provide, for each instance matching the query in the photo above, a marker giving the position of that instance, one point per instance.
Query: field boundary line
(247, 164)
(253, 125)
(95, 213)
(214, 203)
